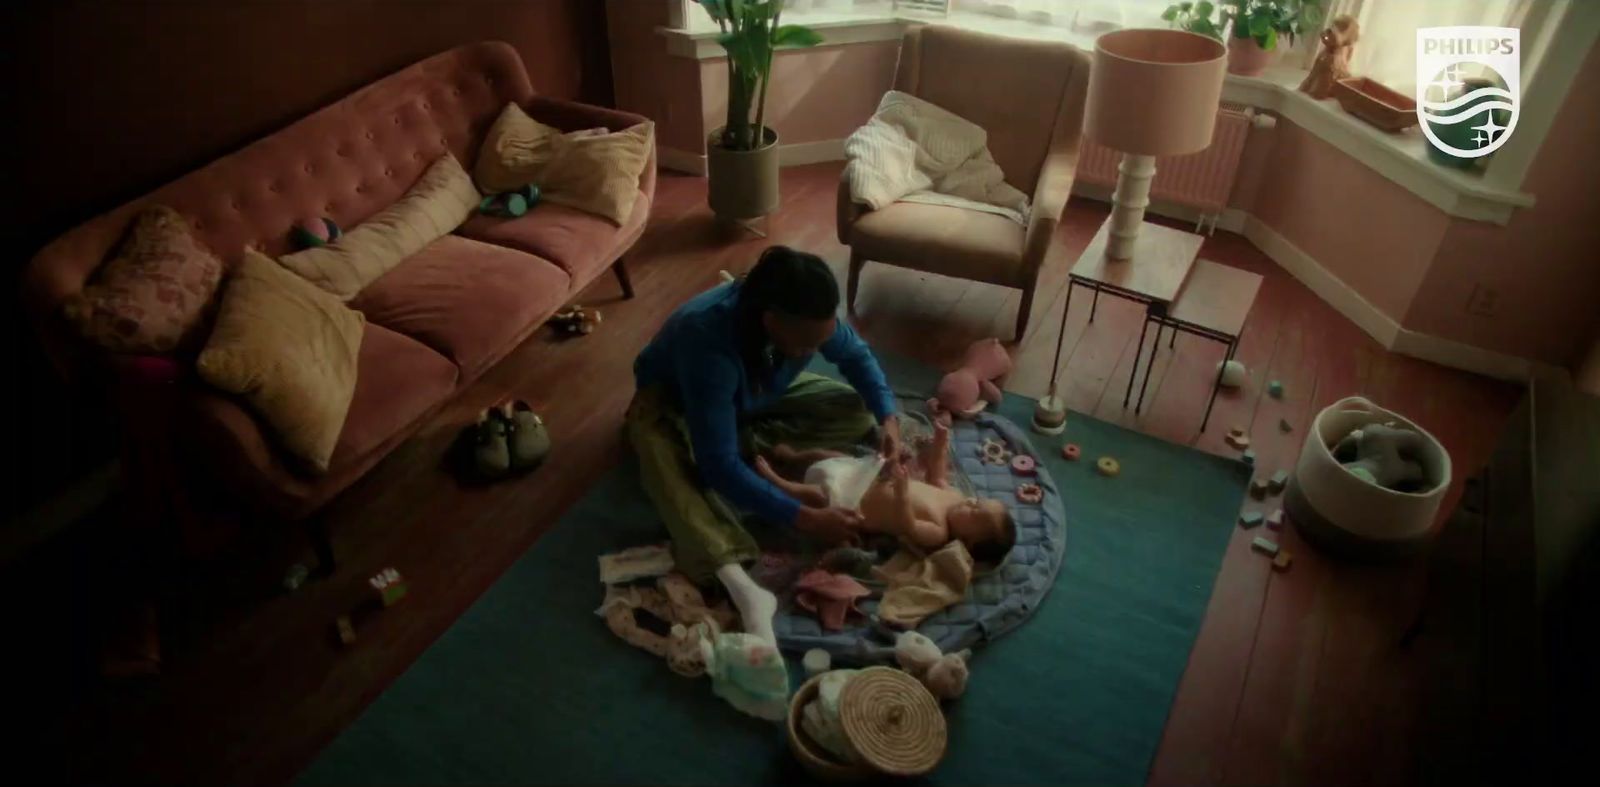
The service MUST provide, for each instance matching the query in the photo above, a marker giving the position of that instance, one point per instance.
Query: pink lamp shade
(1155, 92)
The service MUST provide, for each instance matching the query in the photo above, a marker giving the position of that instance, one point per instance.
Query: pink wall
(1544, 267)
(1370, 232)
(647, 80)
(817, 94)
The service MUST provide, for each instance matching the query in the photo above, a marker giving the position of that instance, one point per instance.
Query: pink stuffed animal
(965, 392)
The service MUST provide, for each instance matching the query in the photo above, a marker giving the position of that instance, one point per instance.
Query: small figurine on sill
(1333, 62)
(575, 320)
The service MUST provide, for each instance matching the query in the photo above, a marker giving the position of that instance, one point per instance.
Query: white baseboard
(788, 156)
(810, 152)
(1380, 326)
(681, 160)
(1327, 286)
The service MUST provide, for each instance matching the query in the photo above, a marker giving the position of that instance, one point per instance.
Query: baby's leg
(808, 494)
(936, 457)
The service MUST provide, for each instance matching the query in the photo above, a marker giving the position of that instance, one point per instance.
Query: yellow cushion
(515, 152)
(599, 173)
(290, 350)
(440, 201)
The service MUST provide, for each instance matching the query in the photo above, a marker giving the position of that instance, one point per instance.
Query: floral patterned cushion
(154, 294)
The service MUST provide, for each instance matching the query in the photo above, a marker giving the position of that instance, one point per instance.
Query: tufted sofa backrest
(345, 161)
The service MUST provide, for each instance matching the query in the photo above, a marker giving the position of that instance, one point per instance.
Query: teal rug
(530, 687)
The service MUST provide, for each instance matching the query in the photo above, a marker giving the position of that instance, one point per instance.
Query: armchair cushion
(950, 241)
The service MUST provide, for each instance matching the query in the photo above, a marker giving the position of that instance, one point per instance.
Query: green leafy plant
(750, 34)
(1261, 20)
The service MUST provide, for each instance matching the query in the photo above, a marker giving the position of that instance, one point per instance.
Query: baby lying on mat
(926, 514)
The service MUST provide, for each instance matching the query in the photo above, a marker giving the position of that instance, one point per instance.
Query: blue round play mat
(999, 599)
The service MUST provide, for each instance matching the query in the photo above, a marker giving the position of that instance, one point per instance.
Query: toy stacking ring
(1030, 493)
(1108, 466)
(1022, 464)
(1070, 452)
(994, 452)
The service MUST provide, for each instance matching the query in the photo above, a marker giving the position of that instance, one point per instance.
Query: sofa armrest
(576, 116)
(1049, 200)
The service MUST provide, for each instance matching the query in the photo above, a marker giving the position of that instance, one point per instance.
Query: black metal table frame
(1157, 314)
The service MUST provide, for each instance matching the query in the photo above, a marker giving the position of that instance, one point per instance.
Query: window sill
(1401, 157)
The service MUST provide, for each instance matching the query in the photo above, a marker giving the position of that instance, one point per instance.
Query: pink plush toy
(965, 392)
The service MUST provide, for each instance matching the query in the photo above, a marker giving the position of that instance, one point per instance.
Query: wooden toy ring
(1070, 452)
(1022, 464)
(1108, 466)
(1030, 493)
(994, 452)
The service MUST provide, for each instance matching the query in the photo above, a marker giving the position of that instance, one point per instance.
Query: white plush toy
(945, 674)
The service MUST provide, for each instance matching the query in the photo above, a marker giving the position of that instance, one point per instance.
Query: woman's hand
(889, 440)
(831, 525)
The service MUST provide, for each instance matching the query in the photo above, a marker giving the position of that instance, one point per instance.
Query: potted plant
(742, 155)
(1255, 25)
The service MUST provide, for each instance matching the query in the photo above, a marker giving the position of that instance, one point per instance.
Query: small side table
(1213, 304)
(1154, 275)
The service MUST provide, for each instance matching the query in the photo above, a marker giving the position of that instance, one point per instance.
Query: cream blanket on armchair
(914, 151)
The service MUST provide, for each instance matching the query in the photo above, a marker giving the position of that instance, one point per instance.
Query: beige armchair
(1029, 97)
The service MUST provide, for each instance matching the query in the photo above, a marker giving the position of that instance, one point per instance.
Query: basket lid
(892, 721)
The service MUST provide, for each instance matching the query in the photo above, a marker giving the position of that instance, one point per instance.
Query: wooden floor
(1296, 677)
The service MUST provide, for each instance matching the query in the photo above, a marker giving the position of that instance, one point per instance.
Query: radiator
(1199, 180)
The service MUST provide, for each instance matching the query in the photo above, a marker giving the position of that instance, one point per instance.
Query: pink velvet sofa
(434, 324)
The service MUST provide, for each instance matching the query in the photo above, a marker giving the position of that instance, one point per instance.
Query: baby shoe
(528, 441)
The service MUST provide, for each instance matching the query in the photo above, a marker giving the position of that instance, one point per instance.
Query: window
(1085, 16)
(1387, 50)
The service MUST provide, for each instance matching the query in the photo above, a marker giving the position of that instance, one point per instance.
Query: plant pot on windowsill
(744, 183)
(1247, 58)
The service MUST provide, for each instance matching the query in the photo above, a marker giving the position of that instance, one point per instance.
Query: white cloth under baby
(845, 479)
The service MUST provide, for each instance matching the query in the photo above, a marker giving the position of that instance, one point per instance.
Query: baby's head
(984, 525)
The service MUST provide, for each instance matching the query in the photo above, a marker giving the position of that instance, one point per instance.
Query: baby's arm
(936, 457)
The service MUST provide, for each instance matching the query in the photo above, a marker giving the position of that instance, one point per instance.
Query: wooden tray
(1376, 103)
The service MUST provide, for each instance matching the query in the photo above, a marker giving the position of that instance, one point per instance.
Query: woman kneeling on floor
(722, 382)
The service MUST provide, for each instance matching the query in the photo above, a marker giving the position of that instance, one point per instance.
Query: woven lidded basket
(891, 721)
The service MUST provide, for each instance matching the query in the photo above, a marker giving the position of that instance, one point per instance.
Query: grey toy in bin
(1338, 512)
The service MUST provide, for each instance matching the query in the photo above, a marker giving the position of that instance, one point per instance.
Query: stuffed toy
(312, 233)
(1384, 455)
(945, 674)
(575, 320)
(965, 392)
(1333, 64)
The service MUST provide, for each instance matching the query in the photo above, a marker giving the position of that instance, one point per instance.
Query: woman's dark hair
(791, 283)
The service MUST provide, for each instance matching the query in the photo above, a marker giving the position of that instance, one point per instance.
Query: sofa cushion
(399, 380)
(967, 244)
(599, 173)
(470, 301)
(290, 350)
(153, 294)
(435, 205)
(515, 152)
(582, 243)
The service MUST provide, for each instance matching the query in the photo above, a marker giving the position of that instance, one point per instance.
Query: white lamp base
(1128, 204)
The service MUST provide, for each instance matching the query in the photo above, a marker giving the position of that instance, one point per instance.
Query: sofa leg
(857, 262)
(1023, 310)
(620, 268)
(317, 531)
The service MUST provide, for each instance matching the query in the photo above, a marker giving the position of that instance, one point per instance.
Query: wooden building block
(1265, 546)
